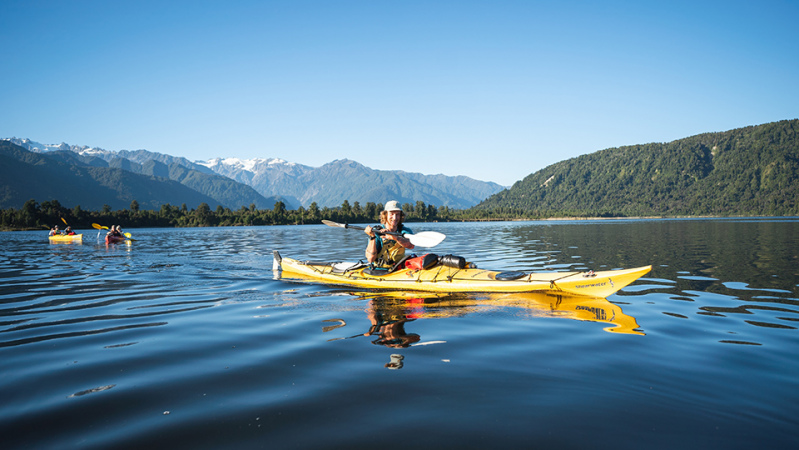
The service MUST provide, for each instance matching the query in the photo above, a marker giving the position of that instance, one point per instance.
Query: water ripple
(184, 339)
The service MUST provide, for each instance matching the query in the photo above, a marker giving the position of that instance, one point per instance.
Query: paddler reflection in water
(389, 327)
(385, 250)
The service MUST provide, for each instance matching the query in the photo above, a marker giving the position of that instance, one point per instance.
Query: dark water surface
(183, 339)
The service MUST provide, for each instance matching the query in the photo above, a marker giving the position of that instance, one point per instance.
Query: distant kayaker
(385, 250)
(113, 231)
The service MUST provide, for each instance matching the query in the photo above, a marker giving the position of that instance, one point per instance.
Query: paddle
(423, 239)
(65, 221)
(97, 226)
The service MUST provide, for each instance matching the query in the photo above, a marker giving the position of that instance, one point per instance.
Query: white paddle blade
(426, 238)
(330, 223)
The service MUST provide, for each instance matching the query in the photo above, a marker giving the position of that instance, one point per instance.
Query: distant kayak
(453, 274)
(66, 238)
(114, 239)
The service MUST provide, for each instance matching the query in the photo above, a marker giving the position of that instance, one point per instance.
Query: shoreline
(547, 219)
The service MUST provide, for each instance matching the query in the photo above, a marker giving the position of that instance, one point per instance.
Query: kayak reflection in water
(407, 306)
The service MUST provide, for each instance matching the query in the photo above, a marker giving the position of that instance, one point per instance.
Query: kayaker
(69, 231)
(54, 231)
(114, 232)
(388, 249)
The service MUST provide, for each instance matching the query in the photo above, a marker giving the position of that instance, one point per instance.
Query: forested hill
(746, 171)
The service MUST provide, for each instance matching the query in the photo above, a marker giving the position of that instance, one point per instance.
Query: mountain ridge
(27, 175)
(221, 190)
(293, 183)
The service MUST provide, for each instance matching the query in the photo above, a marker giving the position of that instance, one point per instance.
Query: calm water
(183, 339)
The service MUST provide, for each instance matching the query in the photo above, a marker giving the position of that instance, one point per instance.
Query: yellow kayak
(66, 238)
(452, 274)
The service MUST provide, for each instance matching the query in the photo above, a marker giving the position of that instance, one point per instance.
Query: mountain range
(76, 180)
(745, 171)
(115, 178)
(342, 179)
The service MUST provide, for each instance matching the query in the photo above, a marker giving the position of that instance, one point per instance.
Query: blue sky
(494, 90)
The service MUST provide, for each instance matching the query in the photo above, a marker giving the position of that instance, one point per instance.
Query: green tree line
(44, 215)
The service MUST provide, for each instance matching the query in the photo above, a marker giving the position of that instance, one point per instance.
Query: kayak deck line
(443, 278)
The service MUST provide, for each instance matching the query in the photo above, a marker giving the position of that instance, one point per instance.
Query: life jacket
(390, 253)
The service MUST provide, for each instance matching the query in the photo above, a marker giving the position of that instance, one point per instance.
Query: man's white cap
(392, 206)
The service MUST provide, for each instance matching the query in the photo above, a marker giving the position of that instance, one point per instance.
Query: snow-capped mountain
(250, 165)
(220, 189)
(295, 184)
(37, 147)
(334, 182)
(250, 171)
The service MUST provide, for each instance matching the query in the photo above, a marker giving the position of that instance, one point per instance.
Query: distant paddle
(423, 239)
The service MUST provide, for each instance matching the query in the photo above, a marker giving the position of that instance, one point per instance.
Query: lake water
(183, 339)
